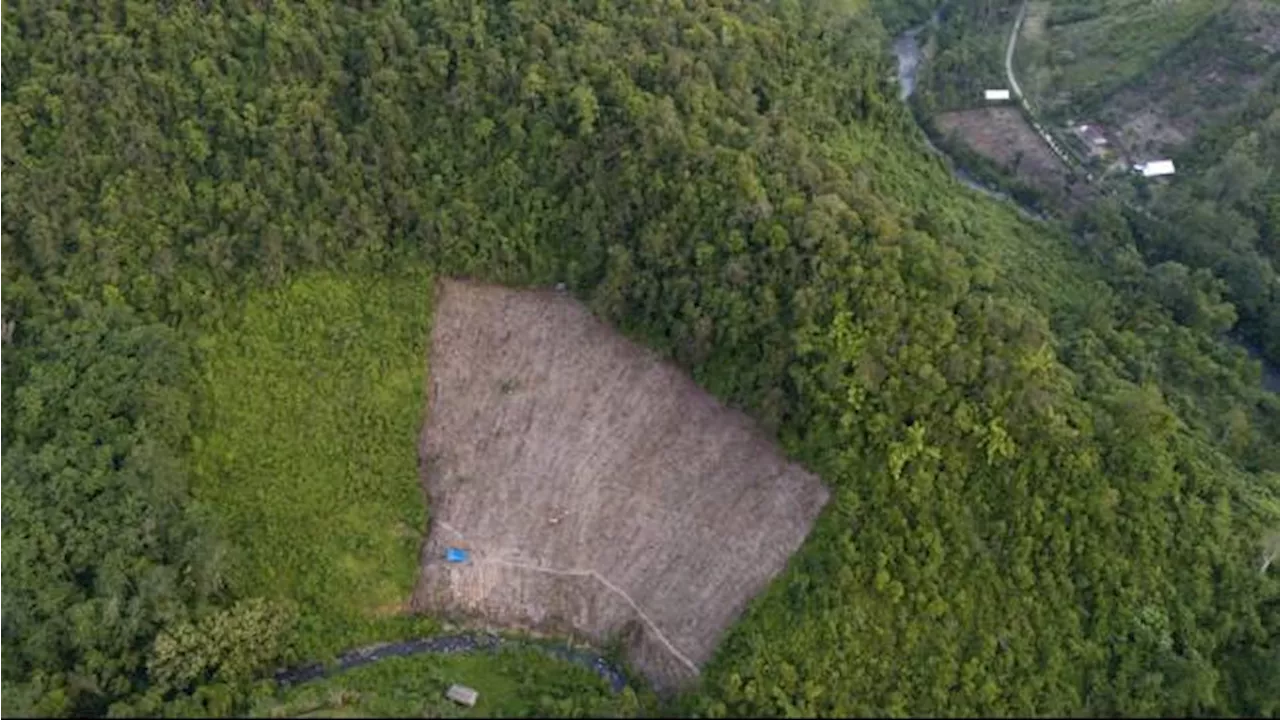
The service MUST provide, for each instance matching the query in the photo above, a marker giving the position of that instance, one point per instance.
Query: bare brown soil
(1003, 135)
(1157, 118)
(599, 490)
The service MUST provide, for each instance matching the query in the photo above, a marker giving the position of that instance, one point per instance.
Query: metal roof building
(1155, 168)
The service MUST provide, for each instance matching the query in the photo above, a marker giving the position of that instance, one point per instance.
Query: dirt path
(1008, 53)
(648, 621)
(661, 636)
(1016, 89)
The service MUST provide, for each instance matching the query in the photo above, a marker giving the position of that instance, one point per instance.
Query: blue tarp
(456, 555)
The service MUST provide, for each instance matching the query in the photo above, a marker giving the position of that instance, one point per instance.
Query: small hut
(462, 695)
(1155, 168)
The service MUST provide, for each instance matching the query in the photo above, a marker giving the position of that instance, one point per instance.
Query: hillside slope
(1048, 494)
(597, 489)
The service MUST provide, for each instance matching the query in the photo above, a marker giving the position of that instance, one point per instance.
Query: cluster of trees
(1038, 504)
(968, 55)
(1223, 215)
(99, 553)
(899, 15)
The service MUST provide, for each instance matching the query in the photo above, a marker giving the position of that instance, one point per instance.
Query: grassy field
(1202, 83)
(307, 462)
(512, 683)
(1075, 53)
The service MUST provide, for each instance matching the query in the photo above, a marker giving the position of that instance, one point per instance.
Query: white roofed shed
(1155, 168)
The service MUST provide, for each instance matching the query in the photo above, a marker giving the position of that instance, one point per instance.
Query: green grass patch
(513, 682)
(307, 460)
(1092, 48)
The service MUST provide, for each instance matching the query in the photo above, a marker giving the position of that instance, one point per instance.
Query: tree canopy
(1052, 480)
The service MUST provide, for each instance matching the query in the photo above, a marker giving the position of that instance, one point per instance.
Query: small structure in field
(462, 695)
(456, 555)
(1091, 134)
(1092, 138)
(996, 94)
(1155, 168)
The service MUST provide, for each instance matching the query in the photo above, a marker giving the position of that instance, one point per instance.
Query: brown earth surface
(599, 491)
(1003, 135)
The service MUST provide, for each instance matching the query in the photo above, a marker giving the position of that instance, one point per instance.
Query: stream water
(445, 645)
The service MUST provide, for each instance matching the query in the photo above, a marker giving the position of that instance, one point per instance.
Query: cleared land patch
(597, 488)
(1002, 135)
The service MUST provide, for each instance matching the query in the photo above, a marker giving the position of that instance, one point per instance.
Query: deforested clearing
(596, 488)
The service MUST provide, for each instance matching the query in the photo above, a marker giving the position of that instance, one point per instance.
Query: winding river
(447, 645)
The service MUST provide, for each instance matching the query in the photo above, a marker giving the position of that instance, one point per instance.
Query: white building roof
(462, 695)
(996, 94)
(1155, 168)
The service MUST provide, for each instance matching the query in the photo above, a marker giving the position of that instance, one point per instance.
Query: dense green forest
(1053, 481)
(968, 55)
(898, 15)
(1225, 218)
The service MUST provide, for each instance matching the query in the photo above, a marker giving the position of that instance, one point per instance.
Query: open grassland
(1092, 48)
(512, 683)
(314, 399)
(1203, 82)
(599, 490)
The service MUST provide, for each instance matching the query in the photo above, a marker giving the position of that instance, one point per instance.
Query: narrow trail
(1008, 53)
(662, 638)
(1016, 89)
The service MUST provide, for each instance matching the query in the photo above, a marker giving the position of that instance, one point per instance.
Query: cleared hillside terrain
(597, 488)
(1049, 477)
